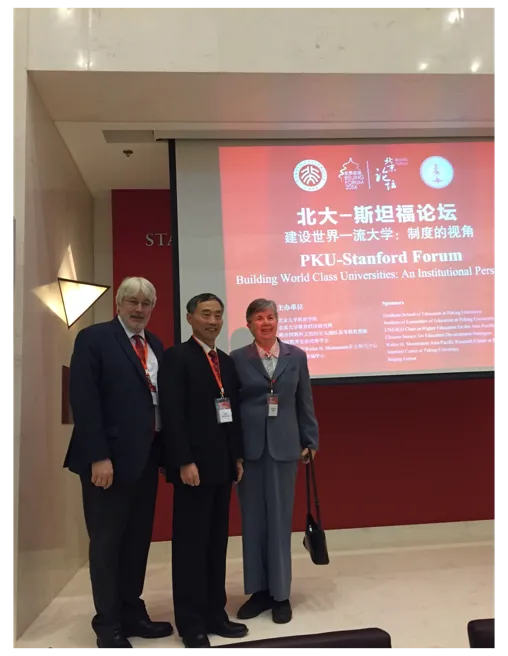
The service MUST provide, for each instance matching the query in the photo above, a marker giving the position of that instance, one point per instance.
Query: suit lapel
(282, 361)
(127, 347)
(255, 360)
(198, 349)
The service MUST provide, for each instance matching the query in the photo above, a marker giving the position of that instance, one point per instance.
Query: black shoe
(114, 639)
(257, 604)
(228, 629)
(145, 628)
(281, 612)
(196, 641)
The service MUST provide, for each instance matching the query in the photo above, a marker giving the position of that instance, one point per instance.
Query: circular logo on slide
(310, 175)
(436, 172)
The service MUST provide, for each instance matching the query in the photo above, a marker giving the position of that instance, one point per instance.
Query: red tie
(140, 349)
(215, 361)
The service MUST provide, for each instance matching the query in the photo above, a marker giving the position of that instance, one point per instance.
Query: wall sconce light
(68, 297)
(78, 297)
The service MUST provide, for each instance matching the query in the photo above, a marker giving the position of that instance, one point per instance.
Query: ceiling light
(455, 16)
(475, 66)
(65, 13)
(84, 62)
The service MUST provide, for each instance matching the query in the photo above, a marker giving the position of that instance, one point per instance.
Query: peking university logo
(310, 175)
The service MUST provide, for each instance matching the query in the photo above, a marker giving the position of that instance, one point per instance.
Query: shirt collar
(204, 346)
(274, 352)
(130, 333)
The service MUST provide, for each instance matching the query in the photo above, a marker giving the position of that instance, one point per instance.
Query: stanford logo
(310, 175)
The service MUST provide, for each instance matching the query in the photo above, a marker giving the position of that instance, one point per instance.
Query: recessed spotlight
(84, 62)
(65, 13)
(455, 16)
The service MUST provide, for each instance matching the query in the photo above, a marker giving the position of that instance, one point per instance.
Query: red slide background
(262, 207)
(391, 454)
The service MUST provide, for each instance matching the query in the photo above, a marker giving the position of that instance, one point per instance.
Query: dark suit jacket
(187, 393)
(295, 426)
(111, 402)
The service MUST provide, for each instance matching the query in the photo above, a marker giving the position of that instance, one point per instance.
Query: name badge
(223, 410)
(273, 405)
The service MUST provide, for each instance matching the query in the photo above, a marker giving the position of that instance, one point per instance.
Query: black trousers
(200, 541)
(119, 522)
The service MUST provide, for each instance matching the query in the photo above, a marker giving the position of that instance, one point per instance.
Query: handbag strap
(310, 473)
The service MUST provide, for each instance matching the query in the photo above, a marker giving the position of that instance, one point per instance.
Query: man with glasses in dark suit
(115, 449)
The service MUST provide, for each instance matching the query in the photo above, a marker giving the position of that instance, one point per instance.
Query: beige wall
(57, 213)
(103, 255)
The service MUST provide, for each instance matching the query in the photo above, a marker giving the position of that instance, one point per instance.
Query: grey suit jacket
(295, 426)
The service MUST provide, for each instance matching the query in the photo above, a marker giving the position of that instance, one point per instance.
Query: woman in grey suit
(279, 427)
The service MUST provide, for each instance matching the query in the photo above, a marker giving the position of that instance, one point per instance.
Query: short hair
(132, 286)
(192, 305)
(260, 305)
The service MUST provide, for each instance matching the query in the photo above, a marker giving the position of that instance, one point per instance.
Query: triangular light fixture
(78, 297)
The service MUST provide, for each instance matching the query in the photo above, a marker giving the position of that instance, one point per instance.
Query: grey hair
(260, 305)
(132, 286)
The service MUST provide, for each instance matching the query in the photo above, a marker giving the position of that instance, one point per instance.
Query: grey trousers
(266, 495)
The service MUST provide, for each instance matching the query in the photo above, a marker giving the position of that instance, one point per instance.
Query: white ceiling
(192, 105)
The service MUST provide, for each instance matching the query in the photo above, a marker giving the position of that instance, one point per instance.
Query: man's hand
(190, 475)
(305, 455)
(239, 470)
(102, 473)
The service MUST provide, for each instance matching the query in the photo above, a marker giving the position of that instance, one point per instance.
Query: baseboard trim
(377, 538)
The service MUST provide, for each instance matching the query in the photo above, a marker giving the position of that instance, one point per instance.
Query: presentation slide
(380, 257)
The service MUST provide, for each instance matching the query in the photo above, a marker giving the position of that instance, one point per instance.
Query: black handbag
(315, 538)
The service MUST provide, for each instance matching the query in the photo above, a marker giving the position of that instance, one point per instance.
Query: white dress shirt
(204, 346)
(152, 366)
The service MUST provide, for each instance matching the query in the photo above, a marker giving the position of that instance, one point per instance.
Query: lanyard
(215, 370)
(144, 362)
(216, 374)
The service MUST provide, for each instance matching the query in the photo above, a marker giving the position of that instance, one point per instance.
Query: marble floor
(421, 584)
